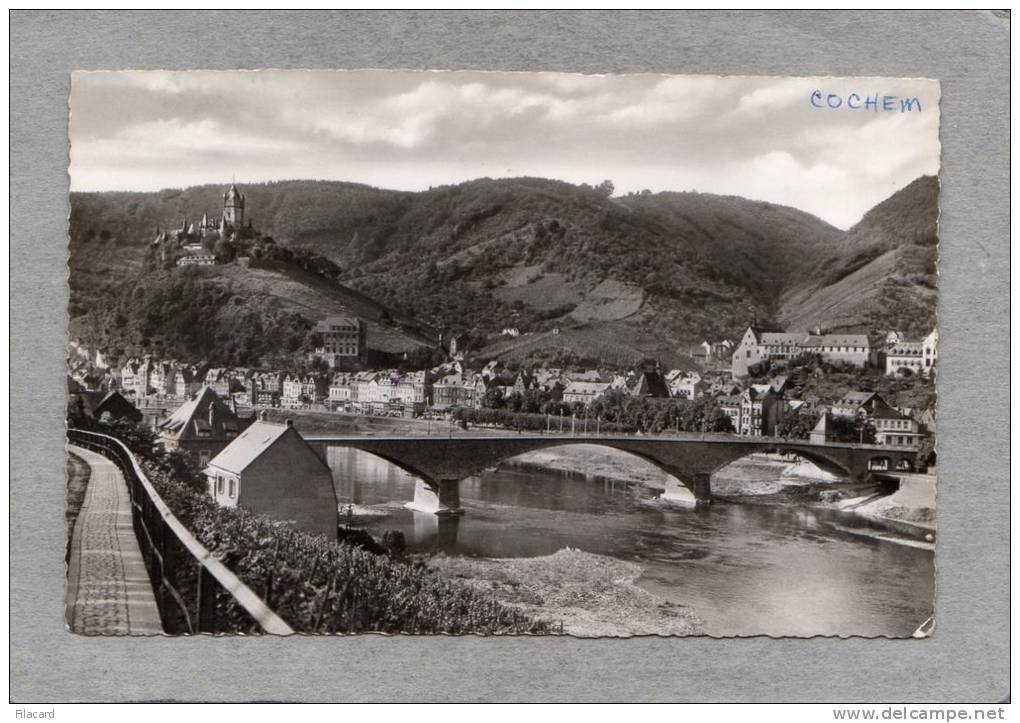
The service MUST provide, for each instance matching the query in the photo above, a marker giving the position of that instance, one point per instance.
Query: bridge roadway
(441, 462)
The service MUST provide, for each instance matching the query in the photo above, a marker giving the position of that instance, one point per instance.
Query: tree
(606, 188)
(493, 398)
(926, 453)
(797, 426)
(857, 429)
(224, 250)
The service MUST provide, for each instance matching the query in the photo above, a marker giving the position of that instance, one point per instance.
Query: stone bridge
(440, 463)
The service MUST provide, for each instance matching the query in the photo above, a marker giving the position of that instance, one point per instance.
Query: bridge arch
(401, 464)
(818, 458)
(684, 477)
(442, 462)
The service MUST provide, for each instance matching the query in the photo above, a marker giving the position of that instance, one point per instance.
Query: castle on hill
(196, 240)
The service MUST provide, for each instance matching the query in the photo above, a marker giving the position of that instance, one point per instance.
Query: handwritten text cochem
(870, 102)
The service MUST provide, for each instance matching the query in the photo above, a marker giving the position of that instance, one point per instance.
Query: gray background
(967, 659)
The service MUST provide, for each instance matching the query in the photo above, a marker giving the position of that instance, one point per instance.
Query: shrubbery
(617, 411)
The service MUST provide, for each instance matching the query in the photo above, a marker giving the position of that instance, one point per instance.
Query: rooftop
(239, 454)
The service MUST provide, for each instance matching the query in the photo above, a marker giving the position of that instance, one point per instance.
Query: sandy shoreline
(590, 595)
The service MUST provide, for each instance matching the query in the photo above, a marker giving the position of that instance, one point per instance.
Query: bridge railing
(195, 592)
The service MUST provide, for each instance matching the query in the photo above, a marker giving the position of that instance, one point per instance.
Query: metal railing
(194, 591)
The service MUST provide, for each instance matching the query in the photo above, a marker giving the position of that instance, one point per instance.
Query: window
(233, 488)
(219, 485)
(203, 457)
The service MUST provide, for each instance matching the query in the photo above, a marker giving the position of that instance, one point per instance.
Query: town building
(220, 380)
(852, 349)
(196, 259)
(304, 390)
(649, 385)
(411, 391)
(584, 392)
(712, 355)
(755, 412)
(188, 380)
(688, 385)
(269, 469)
(202, 426)
(748, 353)
(857, 404)
(105, 406)
(894, 428)
(340, 392)
(912, 357)
(134, 377)
(265, 389)
(343, 341)
(757, 346)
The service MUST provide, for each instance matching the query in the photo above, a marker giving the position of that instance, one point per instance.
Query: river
(746, 569)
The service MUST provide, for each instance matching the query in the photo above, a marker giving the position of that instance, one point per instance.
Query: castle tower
(233, 207)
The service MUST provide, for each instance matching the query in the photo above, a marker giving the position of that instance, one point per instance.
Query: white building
(916, 357)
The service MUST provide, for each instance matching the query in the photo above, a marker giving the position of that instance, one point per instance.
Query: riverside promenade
(108, 588)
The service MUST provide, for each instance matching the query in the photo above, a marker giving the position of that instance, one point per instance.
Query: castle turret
(233, 207)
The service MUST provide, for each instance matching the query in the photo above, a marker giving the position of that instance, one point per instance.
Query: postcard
(452, 352)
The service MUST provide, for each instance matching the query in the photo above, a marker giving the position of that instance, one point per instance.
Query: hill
(538, 255)
(231, 315)
(881, 275)
(581, 274)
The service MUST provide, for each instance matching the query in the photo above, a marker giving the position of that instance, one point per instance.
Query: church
(196, 240)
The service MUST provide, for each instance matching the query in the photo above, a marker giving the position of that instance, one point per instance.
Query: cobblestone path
(108, 588)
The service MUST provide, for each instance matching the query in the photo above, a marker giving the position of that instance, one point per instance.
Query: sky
(765, 138)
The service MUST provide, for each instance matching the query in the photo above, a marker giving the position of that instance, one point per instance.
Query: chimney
(290, 422)
(212, 413)
(262, 415)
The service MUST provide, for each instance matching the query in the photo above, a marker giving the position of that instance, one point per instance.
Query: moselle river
(745, 569)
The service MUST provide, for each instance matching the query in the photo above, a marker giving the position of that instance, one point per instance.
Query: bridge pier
(703, 489)
(441, 497)
(698, 496)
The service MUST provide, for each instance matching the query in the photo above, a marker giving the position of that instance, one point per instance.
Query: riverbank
(911, 509)
(766, 479)
(590, 595)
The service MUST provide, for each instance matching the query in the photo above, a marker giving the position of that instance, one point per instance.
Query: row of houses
(173, 380)
(895, 355)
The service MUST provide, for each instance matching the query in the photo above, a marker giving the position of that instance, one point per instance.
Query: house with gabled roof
(649, 384)
(106, 406)
(202, 426)
(271, 470)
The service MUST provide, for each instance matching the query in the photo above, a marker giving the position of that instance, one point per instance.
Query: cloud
(757, 137)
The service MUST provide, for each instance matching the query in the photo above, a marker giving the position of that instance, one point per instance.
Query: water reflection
(746, 569)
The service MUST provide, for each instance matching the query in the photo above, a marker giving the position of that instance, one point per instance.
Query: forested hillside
(576, 270)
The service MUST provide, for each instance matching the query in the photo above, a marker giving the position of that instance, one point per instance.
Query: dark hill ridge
(531, 253)
(882, 275)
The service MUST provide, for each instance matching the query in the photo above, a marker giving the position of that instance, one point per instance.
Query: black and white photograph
(501, 353)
